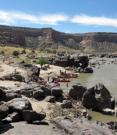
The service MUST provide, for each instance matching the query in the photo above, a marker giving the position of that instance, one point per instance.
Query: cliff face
(49, 38)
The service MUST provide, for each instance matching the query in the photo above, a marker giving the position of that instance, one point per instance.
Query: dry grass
(30, 54)
(9, 50)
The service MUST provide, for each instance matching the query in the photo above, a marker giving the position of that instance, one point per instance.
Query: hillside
(49, 38)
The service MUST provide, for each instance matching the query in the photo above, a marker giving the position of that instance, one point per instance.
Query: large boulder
(47, 90)
(31, 116)
(63, 62)
(35, 91)
(57, 92)
(38, 94)
(69, 61)
(4, 109)
(77, 91)
(27, 89)
(97, 98)
(15, 117)
(19, 105)
(8, 94)
(11, 95)
(83, 61)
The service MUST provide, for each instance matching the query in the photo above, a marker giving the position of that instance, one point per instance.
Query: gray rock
(68, 61)
(83, 61)
(46, 90)
(31, 116)
(4, 110)
(13, 77)
(19, 104)
(97, 98)
(35, 91)
(15, 117)
(6, 120)
(57, 92)
(22, 128)
(76, 126)
(77, 91)
(12, 95)
(38, 94)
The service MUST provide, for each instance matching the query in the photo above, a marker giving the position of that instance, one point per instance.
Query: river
(105, 74)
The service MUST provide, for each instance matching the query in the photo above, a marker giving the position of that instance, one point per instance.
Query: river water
(105, 74)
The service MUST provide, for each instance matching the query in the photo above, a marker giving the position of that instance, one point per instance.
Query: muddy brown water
(106, 74)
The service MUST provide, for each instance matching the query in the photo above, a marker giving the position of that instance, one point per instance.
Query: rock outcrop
(76, 126)
(13, 77)
(31, 116)
(49, 38)
(4, 109)
(8, 94)
(97, 98)
(19, 105)
(77, 91)
(68, 61)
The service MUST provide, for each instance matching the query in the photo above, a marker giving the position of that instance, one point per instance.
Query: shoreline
(52, 109)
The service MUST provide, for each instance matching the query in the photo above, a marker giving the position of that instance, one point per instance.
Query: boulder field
(17, 104)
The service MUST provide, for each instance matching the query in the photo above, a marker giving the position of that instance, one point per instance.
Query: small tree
(42, 62)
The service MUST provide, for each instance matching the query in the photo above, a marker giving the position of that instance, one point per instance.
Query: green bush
(42, 62)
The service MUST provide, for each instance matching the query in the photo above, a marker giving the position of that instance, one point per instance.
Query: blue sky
(74, 16)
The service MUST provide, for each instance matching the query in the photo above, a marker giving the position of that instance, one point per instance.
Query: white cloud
(92, 20)
(15, 17)
(12, 18)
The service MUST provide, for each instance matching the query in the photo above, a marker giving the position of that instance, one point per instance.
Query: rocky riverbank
(28, 98)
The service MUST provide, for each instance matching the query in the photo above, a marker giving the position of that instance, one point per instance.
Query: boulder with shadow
(97, 98)
(77, 91)
(4, 110)
(30, 116)
(19, 105)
